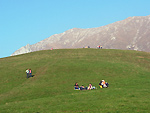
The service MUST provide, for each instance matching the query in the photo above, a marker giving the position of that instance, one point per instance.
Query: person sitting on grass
(91, 87)
(76, 86)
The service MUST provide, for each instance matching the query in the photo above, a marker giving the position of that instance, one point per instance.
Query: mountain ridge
(130, 33)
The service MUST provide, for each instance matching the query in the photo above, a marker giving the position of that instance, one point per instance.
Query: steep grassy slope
(56, 71)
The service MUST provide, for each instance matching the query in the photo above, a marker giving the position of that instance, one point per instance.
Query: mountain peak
(131, 33)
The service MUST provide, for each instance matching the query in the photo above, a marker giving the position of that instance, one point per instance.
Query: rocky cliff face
(131, 33)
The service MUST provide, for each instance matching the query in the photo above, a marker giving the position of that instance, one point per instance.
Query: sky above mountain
(25, 22)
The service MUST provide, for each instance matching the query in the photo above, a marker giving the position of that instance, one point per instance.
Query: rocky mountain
(131, 33)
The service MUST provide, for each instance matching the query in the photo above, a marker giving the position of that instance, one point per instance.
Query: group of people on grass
(90, 87)
(102, 84)
(29, 73)
(99, 47)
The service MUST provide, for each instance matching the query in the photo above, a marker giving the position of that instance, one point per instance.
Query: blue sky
(25, 22)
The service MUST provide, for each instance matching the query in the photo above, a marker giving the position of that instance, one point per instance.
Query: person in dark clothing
(100, 83)
(76, 86)
(83, 88)
(107, 84)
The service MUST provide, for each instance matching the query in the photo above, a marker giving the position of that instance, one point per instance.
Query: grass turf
(56, 71)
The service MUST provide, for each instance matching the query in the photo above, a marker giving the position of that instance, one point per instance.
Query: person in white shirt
(27, 71)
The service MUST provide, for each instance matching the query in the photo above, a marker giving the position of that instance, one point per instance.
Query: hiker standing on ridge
(27, 71)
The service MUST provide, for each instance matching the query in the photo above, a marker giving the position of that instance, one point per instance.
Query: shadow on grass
(31, 76)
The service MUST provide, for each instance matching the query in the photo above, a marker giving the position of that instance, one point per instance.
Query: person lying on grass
(83, 88)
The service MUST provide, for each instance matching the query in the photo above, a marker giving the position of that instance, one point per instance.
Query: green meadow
(51, 90)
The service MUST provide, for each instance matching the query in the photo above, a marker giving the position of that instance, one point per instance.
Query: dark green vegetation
(51, 90)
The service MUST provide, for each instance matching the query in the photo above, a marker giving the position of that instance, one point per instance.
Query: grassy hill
(51, 90)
